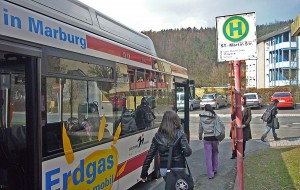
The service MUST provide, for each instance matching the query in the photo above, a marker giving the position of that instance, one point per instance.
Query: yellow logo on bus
(94, 172)
(97, 171)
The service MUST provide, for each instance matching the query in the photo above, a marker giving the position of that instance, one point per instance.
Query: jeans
(211, 152)
(268, 130)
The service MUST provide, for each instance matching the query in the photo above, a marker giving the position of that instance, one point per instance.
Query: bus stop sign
(236, 37)
(235, 29)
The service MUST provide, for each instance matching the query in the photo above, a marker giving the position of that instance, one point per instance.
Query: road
(289, 122)
(289, 127)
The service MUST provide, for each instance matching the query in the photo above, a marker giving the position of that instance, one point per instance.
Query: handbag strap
(170, 157)
(270, 109)
(170, 160)
(187, 166)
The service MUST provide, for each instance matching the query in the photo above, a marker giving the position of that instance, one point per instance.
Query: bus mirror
(4, 81)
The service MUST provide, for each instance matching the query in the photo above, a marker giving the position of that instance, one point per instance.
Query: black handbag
(276, 123)
(178, 179)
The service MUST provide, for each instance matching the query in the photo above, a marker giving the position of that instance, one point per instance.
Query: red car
(118, 102)
(286, 100)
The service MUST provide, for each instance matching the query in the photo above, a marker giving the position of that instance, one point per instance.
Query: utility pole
(237, 41)
(239, 129)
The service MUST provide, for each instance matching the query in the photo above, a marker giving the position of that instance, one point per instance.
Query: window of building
(286, 36)
(78, 68)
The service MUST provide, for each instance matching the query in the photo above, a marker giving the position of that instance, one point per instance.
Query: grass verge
(273, 169)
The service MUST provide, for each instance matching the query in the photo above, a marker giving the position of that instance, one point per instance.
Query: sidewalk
(253, 115)
(226, 178)
(291, 141)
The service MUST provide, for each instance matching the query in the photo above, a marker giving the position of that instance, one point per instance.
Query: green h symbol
(238, 28)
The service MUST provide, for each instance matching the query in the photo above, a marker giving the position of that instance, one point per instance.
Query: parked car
(214, 99)
(286, 100)
(118, 102)
(253, 100)
(193, 102)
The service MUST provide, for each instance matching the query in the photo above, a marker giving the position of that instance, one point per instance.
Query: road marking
(253, 115)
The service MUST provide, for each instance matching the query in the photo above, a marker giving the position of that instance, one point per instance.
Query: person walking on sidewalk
(168, 133)
(270, 125)
(211, 143)
(246, 119)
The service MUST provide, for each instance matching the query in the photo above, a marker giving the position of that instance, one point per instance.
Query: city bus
(68, 76)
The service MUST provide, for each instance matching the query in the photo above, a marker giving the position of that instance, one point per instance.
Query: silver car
(214, 99)
(253, 100)
(194, 103)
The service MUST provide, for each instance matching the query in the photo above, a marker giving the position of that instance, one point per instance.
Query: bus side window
(52, 138)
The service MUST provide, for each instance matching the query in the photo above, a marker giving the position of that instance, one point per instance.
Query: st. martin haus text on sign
(236, 37)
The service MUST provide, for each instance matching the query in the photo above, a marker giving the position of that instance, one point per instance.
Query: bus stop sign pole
(239, 129)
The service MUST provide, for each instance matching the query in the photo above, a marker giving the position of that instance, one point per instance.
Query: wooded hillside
(196, 50)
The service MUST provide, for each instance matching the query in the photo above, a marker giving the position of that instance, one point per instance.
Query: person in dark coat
(144, 115)
(270, 124)
(168, 133)
(246, 119)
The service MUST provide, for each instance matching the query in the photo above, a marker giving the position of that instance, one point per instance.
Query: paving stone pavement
(226, 178)
(290, 141)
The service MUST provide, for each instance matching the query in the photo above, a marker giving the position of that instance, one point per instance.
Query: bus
(68, 76)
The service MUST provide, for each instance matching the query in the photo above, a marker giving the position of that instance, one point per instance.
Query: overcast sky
(144, 15)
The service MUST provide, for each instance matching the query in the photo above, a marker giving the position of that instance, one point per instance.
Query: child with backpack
(272, 109)
(207, 124)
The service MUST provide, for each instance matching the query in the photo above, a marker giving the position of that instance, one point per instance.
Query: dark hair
(170, 122)
(144, 101)
(245, 99)
(209, 108)
(275, 101)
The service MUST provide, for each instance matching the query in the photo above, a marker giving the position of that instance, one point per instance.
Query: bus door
(182, 93)
(20, 139)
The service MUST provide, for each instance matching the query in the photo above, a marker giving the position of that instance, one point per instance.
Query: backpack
(148, 115)
(219, 129)
(267, 115)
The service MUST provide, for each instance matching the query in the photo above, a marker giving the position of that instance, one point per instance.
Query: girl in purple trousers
(211, 144)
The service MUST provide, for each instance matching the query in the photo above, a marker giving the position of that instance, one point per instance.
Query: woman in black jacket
(246, 118)
(270, 125)
(168, 133)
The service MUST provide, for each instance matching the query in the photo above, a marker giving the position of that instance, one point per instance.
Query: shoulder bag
(178, 179)
(219, 129)
(276, 123)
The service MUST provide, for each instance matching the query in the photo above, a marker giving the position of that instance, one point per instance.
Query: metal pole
(239, 130)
